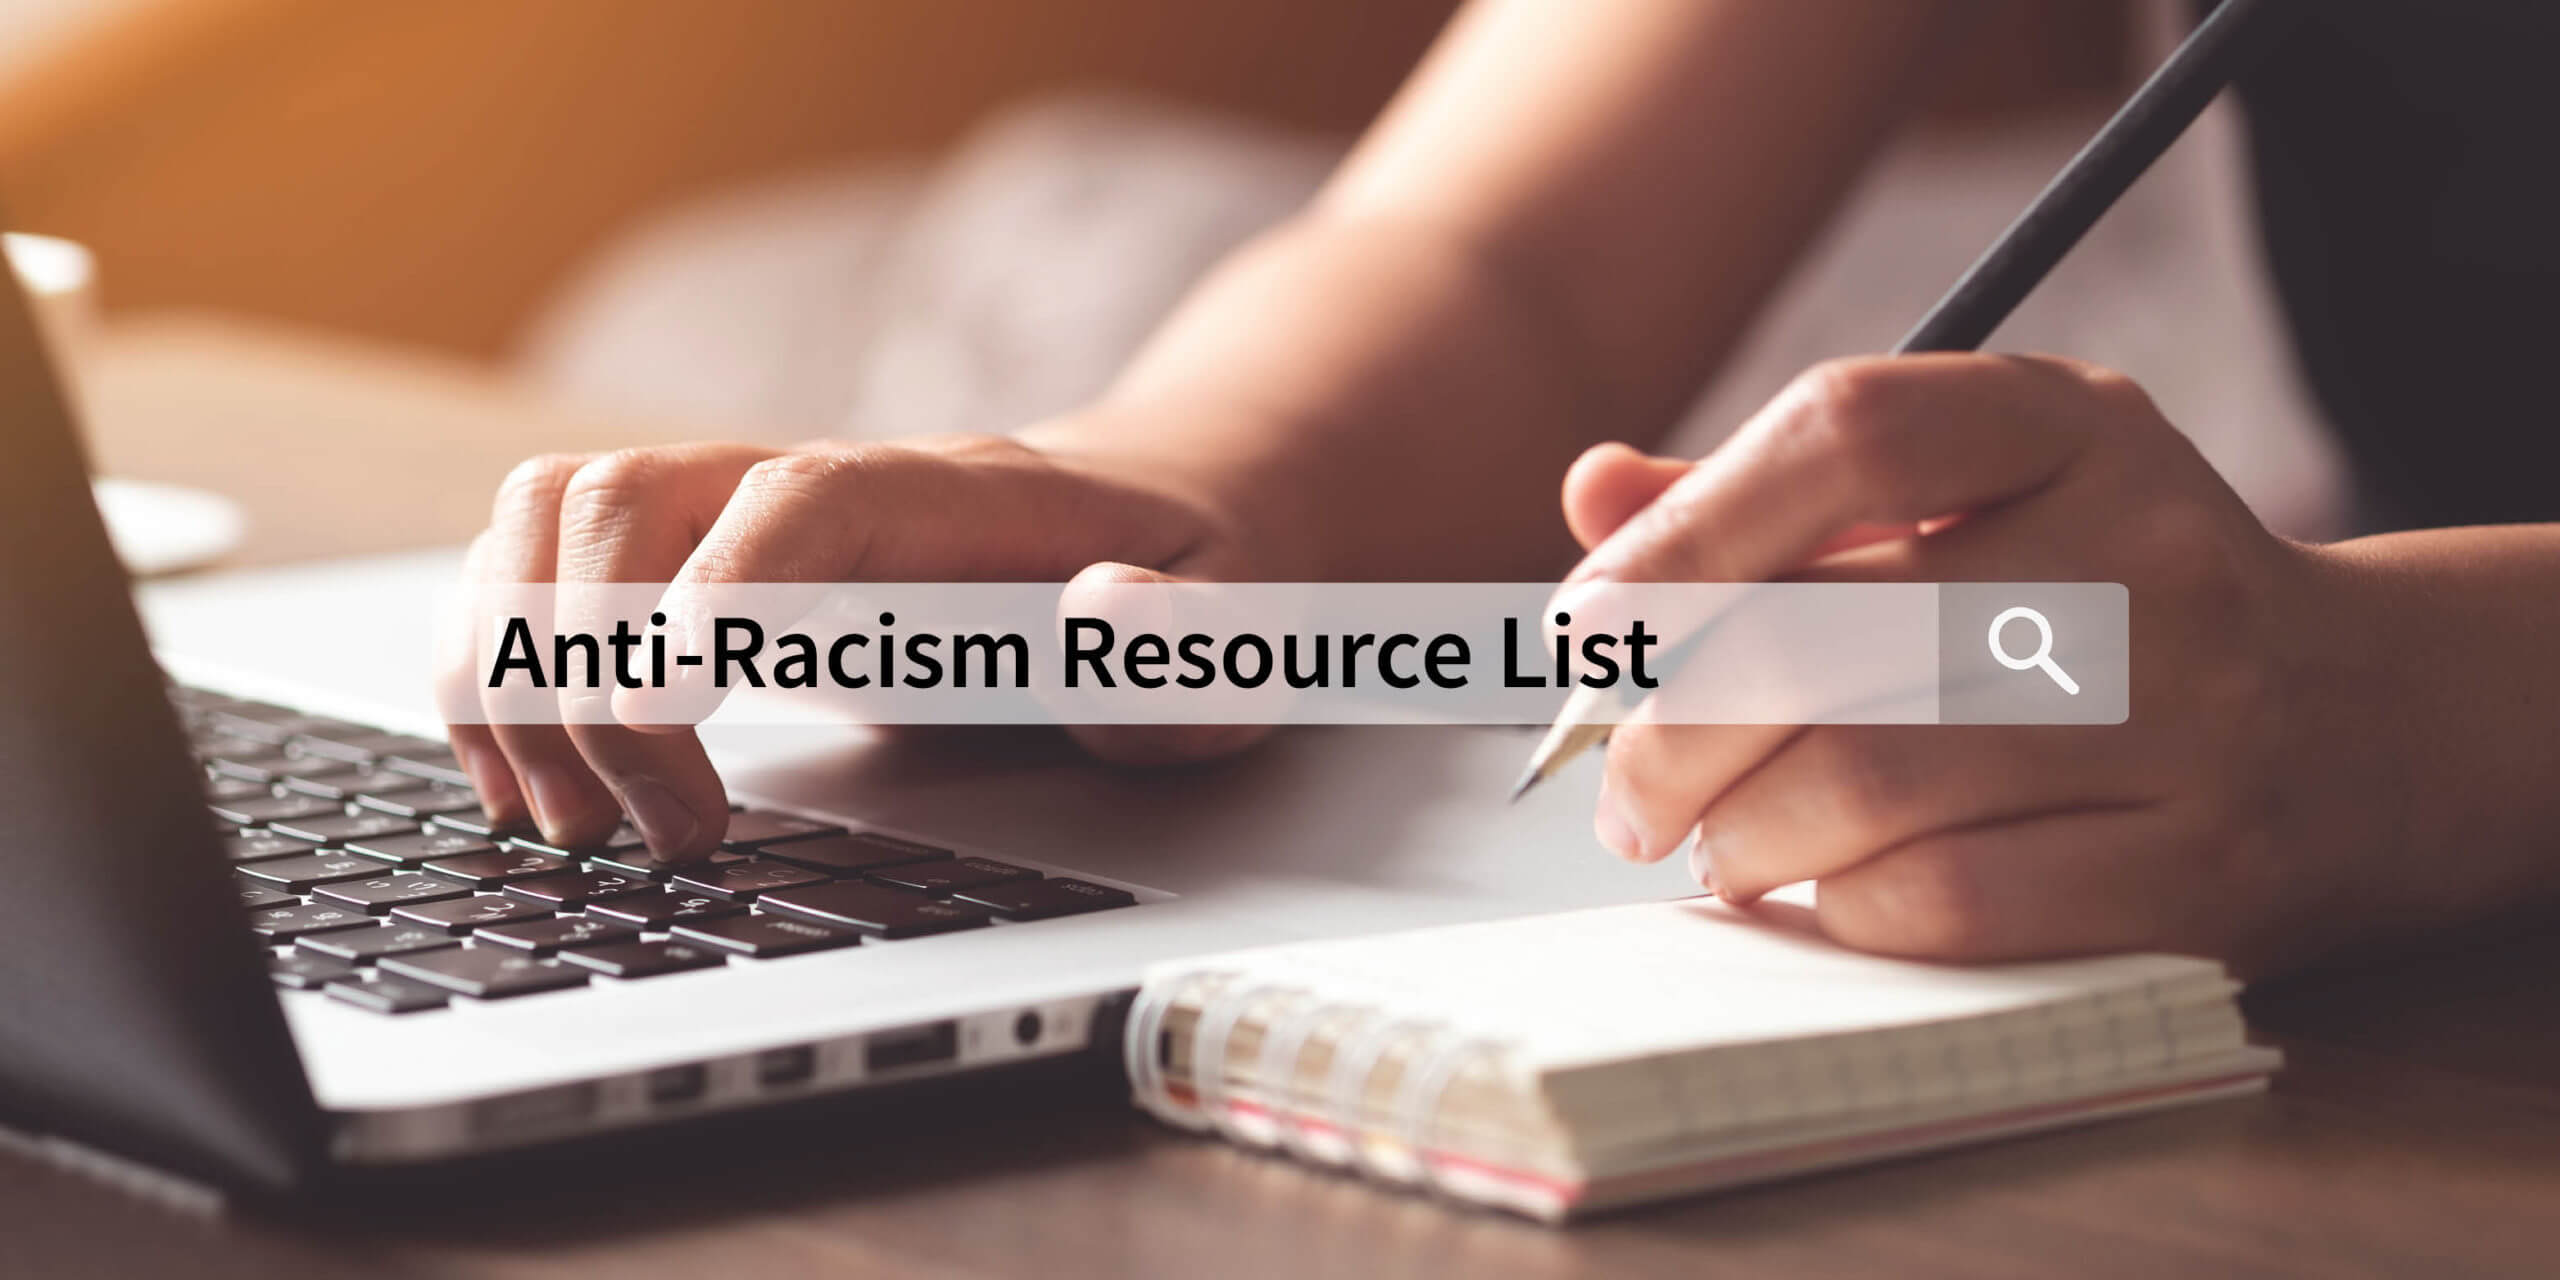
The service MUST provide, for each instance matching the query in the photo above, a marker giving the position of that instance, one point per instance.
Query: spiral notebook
(1562, 1064)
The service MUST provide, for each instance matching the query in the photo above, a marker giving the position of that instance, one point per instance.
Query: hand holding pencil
(2078, 196)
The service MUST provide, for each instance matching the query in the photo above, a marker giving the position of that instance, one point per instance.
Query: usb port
(777, 1067)
(911, 1047)
(670, 1085)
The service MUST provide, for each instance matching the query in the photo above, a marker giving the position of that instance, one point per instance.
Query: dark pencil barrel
(2089, 185)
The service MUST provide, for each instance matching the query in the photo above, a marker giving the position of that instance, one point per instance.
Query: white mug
(62, 282)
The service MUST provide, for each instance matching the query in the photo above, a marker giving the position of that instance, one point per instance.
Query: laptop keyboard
(365, 862)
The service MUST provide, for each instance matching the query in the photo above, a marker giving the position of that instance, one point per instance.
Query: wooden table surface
(2415, 1130)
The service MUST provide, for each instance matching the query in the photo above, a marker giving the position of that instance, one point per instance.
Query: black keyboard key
(230, 723)
(494, 869)
(742, 881)
(664, 908)
(876, 909)
(477, 821)
(388, 889)
(303, 971)
(640, 862)
(348, 784)
(1041, 899)
(339, 828)
(235, 789)
(462, 915)
(645, 959)
(258, 811)
(755, 827)
(389, 938)
(302, 726)
(421, 847)
(211, 746)
(543, 937)
(429, 800)
(308, 872)
(486, 973)
(764, 937)
(861, 851)
(359, 745)
(434, 766)
(623, 837)
(256, 845)
(578, 888)
(284, 924)
(941, 878)
(390, 993)
(258, 896)
(277, 768)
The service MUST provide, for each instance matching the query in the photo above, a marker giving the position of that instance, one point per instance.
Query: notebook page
(1613, 983)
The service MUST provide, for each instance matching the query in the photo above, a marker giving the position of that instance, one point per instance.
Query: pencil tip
(1529, 778)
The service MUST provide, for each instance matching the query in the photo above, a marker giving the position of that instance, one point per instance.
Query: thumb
(1608, 484)
(1091, 592)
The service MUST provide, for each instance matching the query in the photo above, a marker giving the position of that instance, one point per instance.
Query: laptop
(261, 941)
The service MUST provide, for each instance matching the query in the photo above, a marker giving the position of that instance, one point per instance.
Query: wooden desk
(2416, 1130)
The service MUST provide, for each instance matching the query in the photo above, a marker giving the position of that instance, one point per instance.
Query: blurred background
(348, 248)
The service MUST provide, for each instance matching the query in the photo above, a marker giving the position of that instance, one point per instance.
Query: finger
(1089, 594)
(568, 802)
(2059, 885)
(1836, 795)
(1660, 777)
(1609, 483)
(458, 693)
(634, 516)
(980, 509)
(1887, 442)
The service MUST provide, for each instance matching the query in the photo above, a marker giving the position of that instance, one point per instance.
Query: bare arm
(1550, 240)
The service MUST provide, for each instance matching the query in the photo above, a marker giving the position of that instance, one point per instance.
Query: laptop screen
(135, 1014)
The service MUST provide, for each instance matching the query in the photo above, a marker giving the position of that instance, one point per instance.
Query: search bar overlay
(1286, 653)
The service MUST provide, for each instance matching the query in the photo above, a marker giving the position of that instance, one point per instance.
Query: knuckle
(810, 472)
(986, 450)
(605, 491)
(1850, 411)
(2119, 389)
(537, 482)
(617, 477)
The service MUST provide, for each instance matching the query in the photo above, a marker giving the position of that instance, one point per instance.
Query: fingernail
(1621, 829)
(1610, 823)
(1702, 866)
(1574, 598)
(664, 820)
(487, 769)
(553, 793)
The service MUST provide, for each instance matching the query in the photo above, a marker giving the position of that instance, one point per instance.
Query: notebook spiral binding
(1343, 1136)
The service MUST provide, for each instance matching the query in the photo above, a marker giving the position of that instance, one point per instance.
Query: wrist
(1244, 527)
(2443, 633)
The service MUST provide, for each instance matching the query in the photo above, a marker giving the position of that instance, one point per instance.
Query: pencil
(2086, 187)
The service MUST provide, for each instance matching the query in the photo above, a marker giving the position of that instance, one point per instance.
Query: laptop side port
(671, 1086)
(780, 1068)
(911, 1047)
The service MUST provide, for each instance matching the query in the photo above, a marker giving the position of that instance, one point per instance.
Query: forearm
(1549, 241)
(2457, 630)
(1362, 395)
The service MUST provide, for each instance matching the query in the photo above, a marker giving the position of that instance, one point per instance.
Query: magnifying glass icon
(2042, 657)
